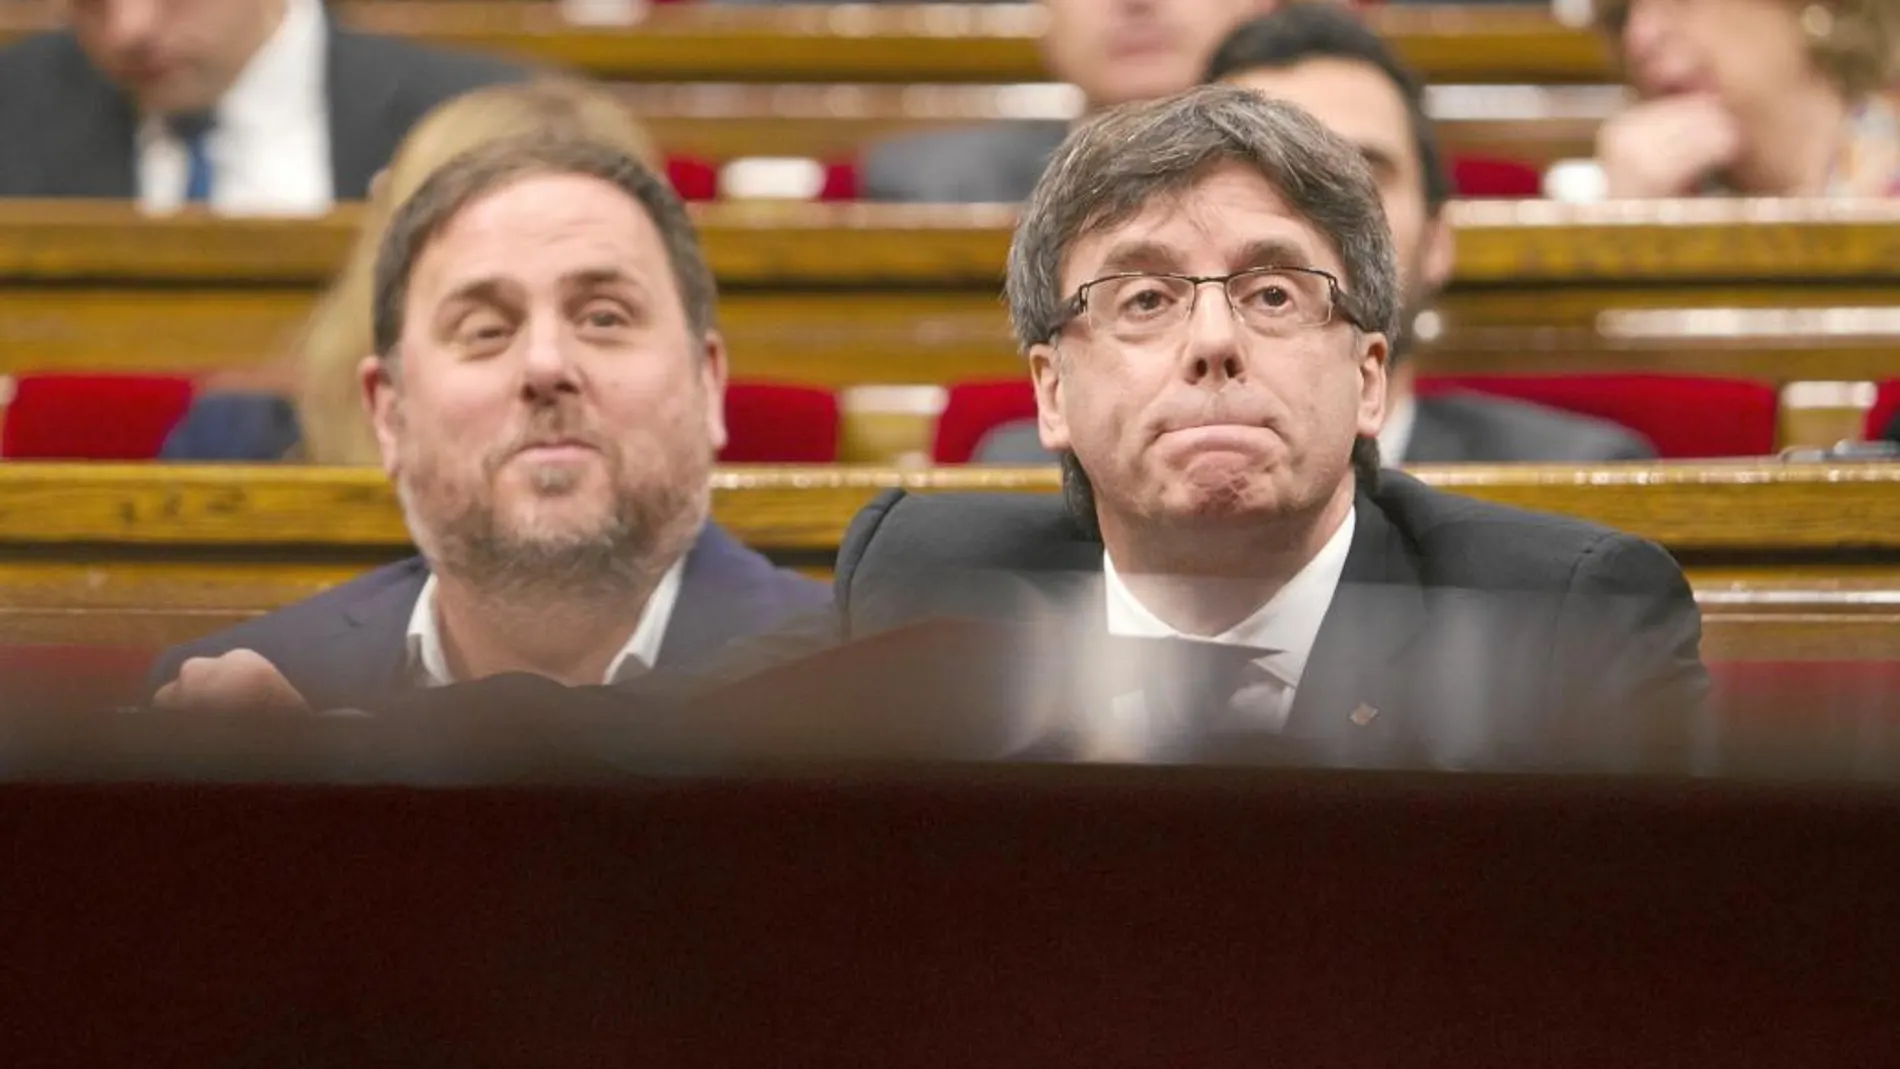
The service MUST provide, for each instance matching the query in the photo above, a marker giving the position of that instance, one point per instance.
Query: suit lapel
(359, 95)
(374, 645)
(96, 155)
(1349, 688)
(722, 597)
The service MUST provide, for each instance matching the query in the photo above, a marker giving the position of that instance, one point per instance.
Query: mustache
(549, 426)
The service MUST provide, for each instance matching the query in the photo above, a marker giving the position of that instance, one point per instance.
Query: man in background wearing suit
(1112, 51)
(1204, 287)
(253, 107)
(547, 393)
(1322, 58)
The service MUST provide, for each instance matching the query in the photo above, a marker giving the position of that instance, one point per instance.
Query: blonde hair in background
(337, 335)
(1854, 42)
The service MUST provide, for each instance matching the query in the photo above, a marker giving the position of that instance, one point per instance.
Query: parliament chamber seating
(1684, 417)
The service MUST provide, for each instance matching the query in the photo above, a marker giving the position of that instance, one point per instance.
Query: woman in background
(325, 424)
(1773, 98)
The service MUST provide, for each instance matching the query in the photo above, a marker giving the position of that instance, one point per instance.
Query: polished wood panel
(854, 294)
(1790, 561)
(1531, 124)
(899, 42)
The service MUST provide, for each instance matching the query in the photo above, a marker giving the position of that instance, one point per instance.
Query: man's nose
(1214, 347)
(548, 364)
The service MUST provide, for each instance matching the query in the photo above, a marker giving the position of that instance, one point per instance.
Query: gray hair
(1114, 165)
(489, 167)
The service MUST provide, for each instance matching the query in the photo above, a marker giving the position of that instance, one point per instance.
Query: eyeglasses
(1276, 302)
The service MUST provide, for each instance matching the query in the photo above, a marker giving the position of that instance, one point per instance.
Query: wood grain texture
(900, 43)
(1790, 562)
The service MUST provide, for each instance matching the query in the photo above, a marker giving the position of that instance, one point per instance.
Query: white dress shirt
(429, 663)
(1396, 436)
(270, 145)
(1288, 625)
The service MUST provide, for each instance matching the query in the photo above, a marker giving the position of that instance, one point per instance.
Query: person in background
(251, 107)
(547, 390)
(1777, 98)
(1322, 58)
(1112, 51)
(325, 424)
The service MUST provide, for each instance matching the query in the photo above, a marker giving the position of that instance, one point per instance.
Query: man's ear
(376, 378)
(712, 372)
(1045, 373)
(1372, 369)
(1438, 255)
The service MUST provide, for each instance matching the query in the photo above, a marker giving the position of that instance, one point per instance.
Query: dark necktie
(194, 131)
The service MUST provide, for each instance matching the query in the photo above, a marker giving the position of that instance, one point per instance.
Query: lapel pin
(1364, 715)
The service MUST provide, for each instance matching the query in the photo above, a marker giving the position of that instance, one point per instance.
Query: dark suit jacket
(996, 163)
(1452, 428)
(234, 427)
(65, 131)
(346, 646)
(1480, 634)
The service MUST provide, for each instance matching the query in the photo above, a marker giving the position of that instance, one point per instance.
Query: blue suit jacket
(348, 644)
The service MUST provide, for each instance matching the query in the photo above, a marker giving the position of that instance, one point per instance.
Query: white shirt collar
(429, 665)
(1288, 623)
(270, 147)
(1396, 436)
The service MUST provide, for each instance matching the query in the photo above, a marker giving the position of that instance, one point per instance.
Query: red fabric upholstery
(1478, 176)
(841, 181)
(92, 417)
(768, 423)
(1683, 416)
(1807, 699)
(972, 410)
(693, 179)
(1886, 407)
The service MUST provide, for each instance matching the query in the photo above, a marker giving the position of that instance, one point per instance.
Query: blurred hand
(1667, 147)
(239, 681)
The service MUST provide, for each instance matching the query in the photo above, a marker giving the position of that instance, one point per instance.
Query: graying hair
(1115, 165)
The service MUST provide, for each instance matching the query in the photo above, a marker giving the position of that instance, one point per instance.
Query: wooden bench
(897, 43)
(846, 295)
(723, 121)
(1791, 562)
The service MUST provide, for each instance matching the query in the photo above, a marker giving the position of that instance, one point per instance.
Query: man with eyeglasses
(1205, 288)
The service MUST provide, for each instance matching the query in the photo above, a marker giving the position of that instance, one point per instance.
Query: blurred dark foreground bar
(944, 915)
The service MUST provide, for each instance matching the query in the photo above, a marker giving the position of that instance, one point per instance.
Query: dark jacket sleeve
(1632, 662)
(234, 427)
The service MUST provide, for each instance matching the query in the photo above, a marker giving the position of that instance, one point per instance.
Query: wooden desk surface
(1501, 244)
(905, 43)
(1790, 562)
(850, 294)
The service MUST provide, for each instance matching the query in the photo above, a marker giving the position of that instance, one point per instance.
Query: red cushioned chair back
(1684, 416)
(972, 410)
(1886, 407)
(1480, 176)
(767, 423)
(1808, 699)
(92, 417)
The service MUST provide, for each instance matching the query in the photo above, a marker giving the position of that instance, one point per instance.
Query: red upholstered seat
(1808, 699)
(972, 410)
(1684, 416)
(92, 417)
(841, 181)
(1886, 407)
(693, 179)
(767, 423)
(1479, 176)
